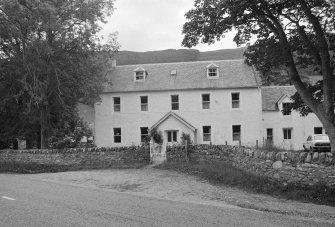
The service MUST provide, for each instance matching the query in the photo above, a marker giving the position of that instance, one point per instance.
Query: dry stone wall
(286, 166)
(79, 156)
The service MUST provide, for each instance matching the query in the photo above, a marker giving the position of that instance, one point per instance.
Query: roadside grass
(221, 173)
(270, 148)
(31, 168)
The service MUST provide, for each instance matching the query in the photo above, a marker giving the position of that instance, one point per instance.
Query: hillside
(172, 55)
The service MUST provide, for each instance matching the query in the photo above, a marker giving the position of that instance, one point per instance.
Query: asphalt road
(28, 202)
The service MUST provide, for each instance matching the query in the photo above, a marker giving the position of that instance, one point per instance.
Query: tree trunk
(330, 130)
(331, 135)
(44, 127)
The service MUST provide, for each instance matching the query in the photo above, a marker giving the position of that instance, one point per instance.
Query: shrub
(185, 137)
(156, 136)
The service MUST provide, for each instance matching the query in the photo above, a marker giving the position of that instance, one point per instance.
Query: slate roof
(190, 75)
(272, 94)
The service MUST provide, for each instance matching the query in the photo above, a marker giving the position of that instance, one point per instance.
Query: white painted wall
(302, 127)
(172, 123)
(220, 116)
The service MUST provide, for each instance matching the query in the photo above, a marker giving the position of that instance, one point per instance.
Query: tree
(50, 57)
(292, 35)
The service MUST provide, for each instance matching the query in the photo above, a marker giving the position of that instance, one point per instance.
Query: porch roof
(176, 116)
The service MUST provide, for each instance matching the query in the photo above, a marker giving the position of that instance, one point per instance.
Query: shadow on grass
(31, 168)
(221, 173)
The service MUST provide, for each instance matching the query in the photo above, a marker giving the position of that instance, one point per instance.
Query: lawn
(30, 168)
(221, 173)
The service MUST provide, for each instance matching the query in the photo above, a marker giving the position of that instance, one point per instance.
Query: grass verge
(221, 173)
(30, 168)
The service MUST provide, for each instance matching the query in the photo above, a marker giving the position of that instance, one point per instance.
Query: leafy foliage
(186, 138)
(156, 136)
(292, 38)
(48, 61)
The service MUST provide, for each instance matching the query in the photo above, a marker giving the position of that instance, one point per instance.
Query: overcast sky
(146, 25)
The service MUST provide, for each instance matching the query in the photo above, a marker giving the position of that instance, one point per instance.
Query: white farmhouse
(214, 102)
(217, 102)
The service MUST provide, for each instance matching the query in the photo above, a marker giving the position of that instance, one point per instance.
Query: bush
(156, 136)
(185, 138)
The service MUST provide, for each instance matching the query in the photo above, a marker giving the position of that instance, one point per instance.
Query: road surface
(25, 201)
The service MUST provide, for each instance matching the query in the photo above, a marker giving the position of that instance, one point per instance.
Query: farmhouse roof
(190, 75)
(272, 94)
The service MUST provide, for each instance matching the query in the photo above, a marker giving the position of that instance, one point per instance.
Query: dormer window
(140, 74)
(287, 108)
(212, 71)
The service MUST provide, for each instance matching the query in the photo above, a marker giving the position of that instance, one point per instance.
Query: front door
(288, 138)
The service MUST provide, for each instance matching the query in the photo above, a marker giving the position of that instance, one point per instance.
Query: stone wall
(286, 166)
(79, 156)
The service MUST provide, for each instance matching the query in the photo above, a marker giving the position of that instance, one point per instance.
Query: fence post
(256, 144)
(186, 151)
(239, 143)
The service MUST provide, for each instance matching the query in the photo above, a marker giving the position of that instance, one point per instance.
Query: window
(144, 134)
(236, 132)
(144, 103)
(269, 135)
(174, 102)
(117, 135)
(139, 76)
(172, 136)
(317, 130)
(235, 100)
(206, 131)
(205, 101)
(212, 71)
(287, 133)
(117, 104)
(287, 108)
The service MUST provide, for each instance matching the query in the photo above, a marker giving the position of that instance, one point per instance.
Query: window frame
(239, 134)
(212, 71)
(117, 106)
(287, 136)
(318, 128)
(203, 102)
(207, 136)
(143, 136)
(269, 137)
(174, 104)
(235, 101)
(115, 135)
(139, 75)
(287, 111)
(144, 105)
(172, 136)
